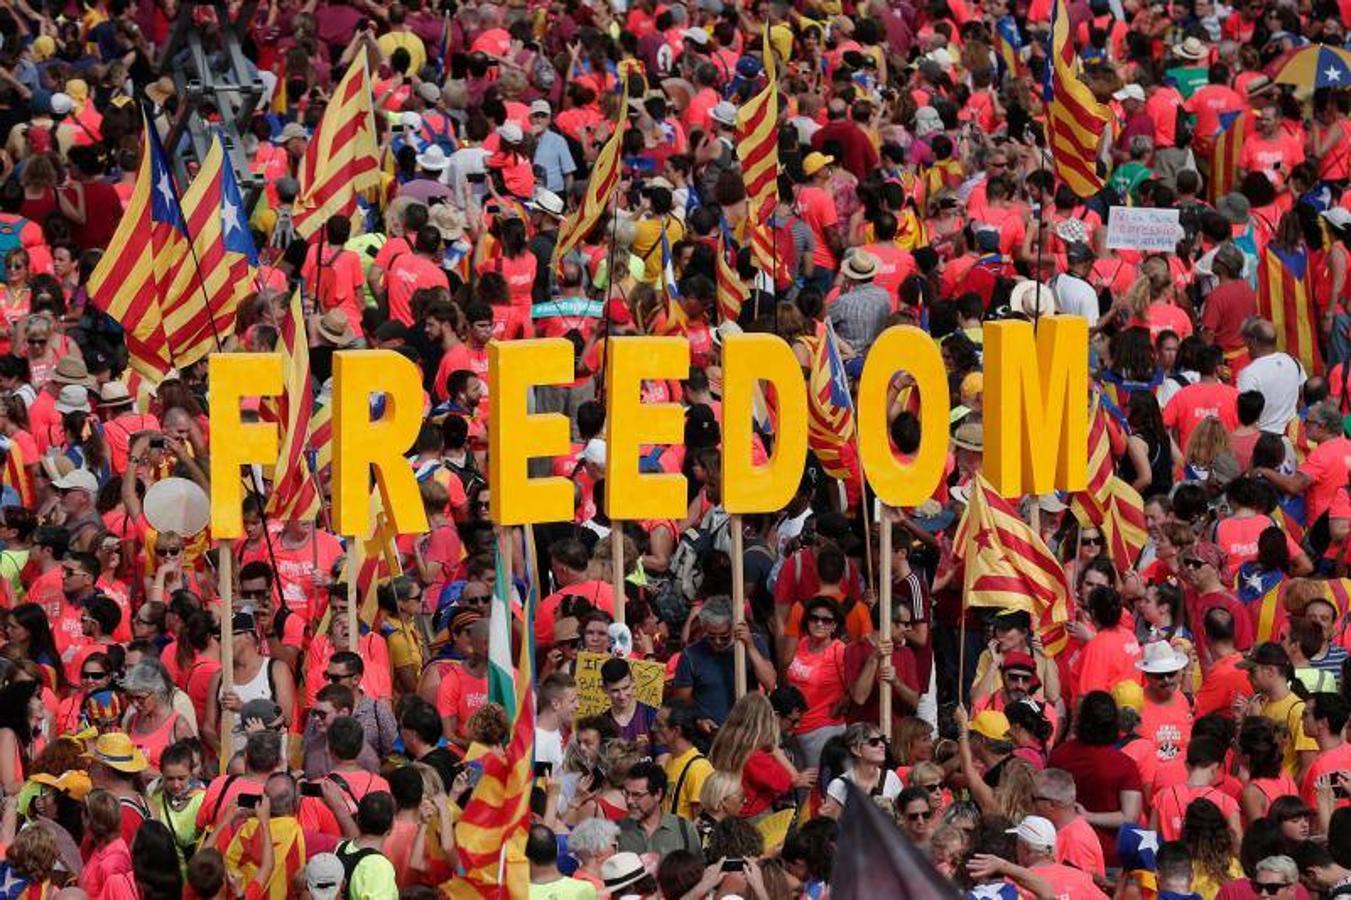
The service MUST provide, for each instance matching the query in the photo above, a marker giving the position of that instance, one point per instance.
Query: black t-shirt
(443, 761)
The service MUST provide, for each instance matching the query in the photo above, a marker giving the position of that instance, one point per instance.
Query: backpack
(671, 599)
(350, 861)
(11, 236)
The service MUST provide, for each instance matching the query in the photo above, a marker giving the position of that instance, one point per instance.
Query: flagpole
(227, 647)
(864, 509)
(353, 567)
(617, 571)
(884, 598)
(738, 603)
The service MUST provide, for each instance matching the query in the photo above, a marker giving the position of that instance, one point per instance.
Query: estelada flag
(1283, 299)
(1226, 146)
(1108, 502)
(874, 859)
(1009, 566)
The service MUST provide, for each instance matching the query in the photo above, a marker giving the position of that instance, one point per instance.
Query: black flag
(874, 859)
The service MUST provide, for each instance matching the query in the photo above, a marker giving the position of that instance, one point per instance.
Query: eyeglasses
(335, 677)
(917, 816)
(821, 620)
(1193, 563)
(92, 676)
(1269, 888)
(37, 342)
(634, 795)
(1091, 539)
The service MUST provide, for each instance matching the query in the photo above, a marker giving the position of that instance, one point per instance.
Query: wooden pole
(532, 557)
(353, 567)
(884, 617)
(227, 647)
(738, 604)
(617, 571)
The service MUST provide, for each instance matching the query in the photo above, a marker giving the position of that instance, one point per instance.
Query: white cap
(724, 113)
(1130, 92)
(323, 876)
(547, 201)
(1339, 216)
(541, 108)
(411, 120)
(594, 452)
(1035, 831)
(62, 104)
(433, 159)
(698, 35)
(510, 132)
(78, 480)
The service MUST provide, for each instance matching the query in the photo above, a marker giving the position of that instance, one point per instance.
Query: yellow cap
(1129, 694)
(815, 162)
(992, 724)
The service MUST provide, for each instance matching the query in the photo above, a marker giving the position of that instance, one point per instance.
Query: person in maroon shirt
(1107, 780)
(1230, 304)
(856, 151)
(866, 665)
(91, 204)
(1202, 567)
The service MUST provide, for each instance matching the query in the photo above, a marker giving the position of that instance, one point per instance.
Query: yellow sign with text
(649, 681)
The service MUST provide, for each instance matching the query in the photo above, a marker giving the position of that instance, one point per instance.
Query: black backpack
(350, 860)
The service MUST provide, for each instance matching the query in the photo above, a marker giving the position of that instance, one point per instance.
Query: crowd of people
(1186, 738)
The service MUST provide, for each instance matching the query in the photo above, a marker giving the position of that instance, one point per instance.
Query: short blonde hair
(718, 787)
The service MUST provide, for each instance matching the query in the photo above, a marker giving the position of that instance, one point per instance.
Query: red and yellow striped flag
(600, 187)
(830, 409)
(1109, 502)
(757, 137)
(1009, 566)
(294, 496)
(1075, 120)
(491, 832)
(1225, 148)
(342, 161)
(321, 440)
(1283, 298)
(128, 282)
(732, 291)
(203, 292)
(17, 475)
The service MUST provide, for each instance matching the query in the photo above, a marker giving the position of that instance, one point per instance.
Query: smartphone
(158, 443)
(733, 864)
(544, 769)
(474, 770)
(248, 801)
(311, 789)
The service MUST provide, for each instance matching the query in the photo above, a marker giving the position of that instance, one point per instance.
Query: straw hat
(116, 751)
(622, 870)
(859, 265)
(71, 370)
(177, 505)
(446, 219)
(1160, 658)
(161, 90)
(1191, 49)
(1032, 298)
(115, 393)
(335, 329)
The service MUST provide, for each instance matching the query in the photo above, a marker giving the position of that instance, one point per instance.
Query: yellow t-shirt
(405, 645)
(691, 787)
(1289, 714)
(647, 244)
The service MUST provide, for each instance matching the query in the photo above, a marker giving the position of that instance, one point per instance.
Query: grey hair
(1057, 785)
(593, 836)
(716, 611)
(1282, 865)
(148, 677)
(1141, 146)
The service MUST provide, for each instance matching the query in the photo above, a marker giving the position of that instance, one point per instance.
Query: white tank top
(256, 688)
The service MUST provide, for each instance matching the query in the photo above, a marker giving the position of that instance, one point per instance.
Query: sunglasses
(876, 741)
(37, 342)
(334, 677)
(171, 551)
(476, 601)
(1193, 563)
(821, 620)
(935, 788)
(1269, 888)
(1017, 677)
(1095, 540)
(92, 676)
(918, 817)
(14, 266)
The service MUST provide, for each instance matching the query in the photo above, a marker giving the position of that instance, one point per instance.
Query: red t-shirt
(1167, 726)
(1108, 658)
(519, 273)
(1077, 844)
(599, 594)
(1171, 804)
(1338, 759)
(816, 207)
(1101, 774)
(1223, 682)
(408, 274)
(1227, 308)
(763, 778)
(341, 281)
(1195, 403)
(1327, 466)
(296, 568)
(819, 675)
(1198, 606)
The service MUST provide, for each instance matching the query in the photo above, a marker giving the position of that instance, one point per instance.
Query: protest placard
(649, 680)
(1143, 228)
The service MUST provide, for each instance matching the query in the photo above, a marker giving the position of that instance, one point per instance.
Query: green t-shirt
(1127, 178)
(563, 889)
(1189, 79)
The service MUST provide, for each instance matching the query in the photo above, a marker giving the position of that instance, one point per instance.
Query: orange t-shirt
(1223, 682)
(1167, 726)
(519, 273)
(1108, 658)
(1237, 537)
(340, 281)
(1077, 844)
(1171, 805)
(858, 623)
(1338, 759)
(1196, 402)
(1067, 881)
(408, 274)
(894, 266)
(460, 695)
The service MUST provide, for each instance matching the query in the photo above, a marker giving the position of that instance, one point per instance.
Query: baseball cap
(1022, 662)
(1130, 92)
(323, 876)
(1269, 653)
(541, 108)
(77, 480)
(991, 724)
(1036, 832)
(815, 162)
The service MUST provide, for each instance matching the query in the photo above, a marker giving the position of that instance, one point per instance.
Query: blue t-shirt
(710, 674)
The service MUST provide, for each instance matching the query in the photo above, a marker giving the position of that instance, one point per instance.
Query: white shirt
(1076, 297)
(891, 788)
(549, 748)
(1279, 377)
